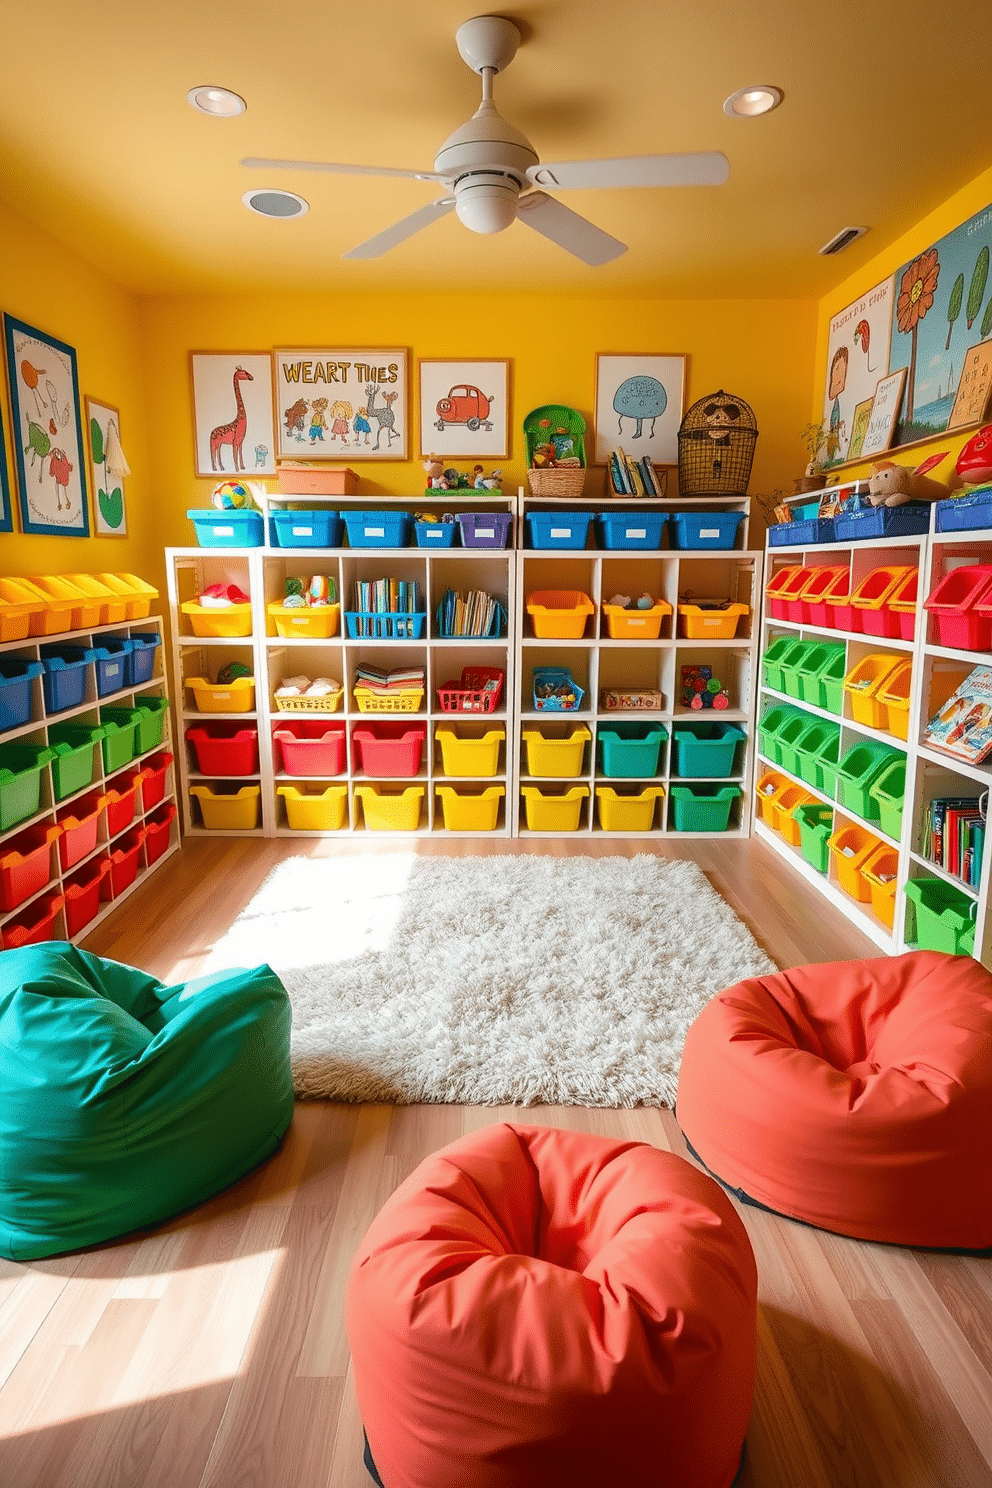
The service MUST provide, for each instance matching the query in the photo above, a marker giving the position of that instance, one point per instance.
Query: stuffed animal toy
(543, 456)
(435, 474)
(893, 485)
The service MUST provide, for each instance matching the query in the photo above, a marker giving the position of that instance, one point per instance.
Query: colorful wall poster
(232, 413)
(857, 356)
(47, 431)
(342, 405)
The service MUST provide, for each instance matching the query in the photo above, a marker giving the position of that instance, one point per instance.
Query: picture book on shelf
(963, 726)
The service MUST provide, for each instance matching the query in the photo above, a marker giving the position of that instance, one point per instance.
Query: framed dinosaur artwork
(342, 404)
(232, 413)
(47, 431)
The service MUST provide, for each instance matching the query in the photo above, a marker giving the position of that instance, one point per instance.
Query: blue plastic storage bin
(141, 658)
(560, 529)
(882, 521)
(228, 529)
(64, 677)
(378, 529)
(388, 626)
(306, 529)
(812, 530)
(111, 665)
(782, 535)
(966, 513)
(556, 691)
(483, 529)
(15, 690)
(709, 529)
(436, 534)
(630, 529)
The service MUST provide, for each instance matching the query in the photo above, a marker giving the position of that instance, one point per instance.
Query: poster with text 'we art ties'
(342, 404)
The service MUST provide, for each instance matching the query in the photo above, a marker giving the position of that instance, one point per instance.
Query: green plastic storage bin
(151, 724)
(795, 658)
(769, 726)
(771, 662)
(856, 772)
(788, 739)
(823, 663)
(816, 823)
(831, 683)
(888, 789)
(118, 737)
(817, 752)
(702, 808)
(630, 749)
(74, 765)
(20, 781)
(705, 750)
(944, 916)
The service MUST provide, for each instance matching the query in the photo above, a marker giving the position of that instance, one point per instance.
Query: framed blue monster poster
(639, 406)
(47, 432)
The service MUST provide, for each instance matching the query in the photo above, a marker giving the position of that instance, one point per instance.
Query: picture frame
(650, 391)
(6, 509)
(106, 485)
(859, 427)
(368, 387)
(884, 414)
(974, 387)
(858, 340)
(464, 408)
(43, 385)
(232, 400)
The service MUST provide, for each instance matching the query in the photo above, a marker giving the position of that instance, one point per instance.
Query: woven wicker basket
(564, 481)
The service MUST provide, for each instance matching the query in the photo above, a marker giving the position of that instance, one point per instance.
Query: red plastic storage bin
(35, 924)
(79, 826)
(153, 778)
(873, 601)
(778, 588)
(26, 864)
(224, 749)
(962, 604)
(310, 747)
(833, 579)
(83, 893)
(125, 860)
(158, 830)
(121, 800)
(902, 601)
(389, 749)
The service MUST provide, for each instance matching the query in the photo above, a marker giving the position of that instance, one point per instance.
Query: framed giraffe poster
(342, 404)
(232, 413)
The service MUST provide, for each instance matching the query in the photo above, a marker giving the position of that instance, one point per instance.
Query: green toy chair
(123, 1101)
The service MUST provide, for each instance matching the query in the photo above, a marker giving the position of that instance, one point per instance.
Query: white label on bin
(303, 532)
(561, 531)
(111, 669)
(632, 623)
(485, 531)
(712, 622)
(223, 532)
(709, 532)
(220, 696)
(636, 532)
(431, 534)
(375, 531)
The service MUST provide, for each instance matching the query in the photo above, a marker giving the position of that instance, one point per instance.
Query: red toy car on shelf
(464, 405)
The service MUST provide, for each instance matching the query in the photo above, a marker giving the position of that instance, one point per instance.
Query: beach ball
(231, 496)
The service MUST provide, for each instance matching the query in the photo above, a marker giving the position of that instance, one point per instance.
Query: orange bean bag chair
(856, 1096)
(536, 1306)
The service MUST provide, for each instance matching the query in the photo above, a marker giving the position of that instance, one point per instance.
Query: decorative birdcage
(716, 446)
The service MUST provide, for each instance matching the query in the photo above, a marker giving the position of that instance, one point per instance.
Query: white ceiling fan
(489, 169)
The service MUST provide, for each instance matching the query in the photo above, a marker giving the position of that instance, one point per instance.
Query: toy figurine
(893, 485)
(435, 474)
(493, 481)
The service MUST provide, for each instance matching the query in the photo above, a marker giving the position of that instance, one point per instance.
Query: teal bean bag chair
(123, 1102)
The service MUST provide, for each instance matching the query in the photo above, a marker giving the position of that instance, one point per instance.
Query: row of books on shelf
(383, 681)
(954, 835)
(473, 614)
(387, 596)
(636, 477)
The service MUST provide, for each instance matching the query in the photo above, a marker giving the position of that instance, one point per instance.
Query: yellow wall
(46, 285)
(950, 214)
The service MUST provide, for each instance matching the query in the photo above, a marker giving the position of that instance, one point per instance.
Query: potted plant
(813, 437)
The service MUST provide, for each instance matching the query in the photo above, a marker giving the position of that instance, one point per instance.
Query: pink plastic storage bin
(83, 893)
(902, 602)
(389, 749)
(34, 925)
(834, 579)
(125, 860)
(25, 866)
(153, 773)
(310, 747)
(963, 606)
(158, 830)
(121, 800)
(79, 824)
(224, 748)
(783, 587)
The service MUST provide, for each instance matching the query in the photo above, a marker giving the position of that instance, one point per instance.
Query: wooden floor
(210, 1352)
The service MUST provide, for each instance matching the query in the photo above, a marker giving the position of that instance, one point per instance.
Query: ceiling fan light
(486, 206)
(748, 103)
(219, 102)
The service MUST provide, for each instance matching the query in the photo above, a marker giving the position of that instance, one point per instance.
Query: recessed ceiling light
(220, 102)
(269, 203)
(747, 103)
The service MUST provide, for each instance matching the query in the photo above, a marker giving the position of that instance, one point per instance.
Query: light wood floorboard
(210, 1352)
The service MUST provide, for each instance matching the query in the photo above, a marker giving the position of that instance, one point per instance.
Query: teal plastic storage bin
(944, 916)
(817, 753)
(630, 749)
(888, 789)
(771, 662)
(20, 781)
(74, 765)
(856, 772)
(710, 529)
(702, 808)
(788, 739)
(791, 663)
(822, 663)
(816, 824)
(705, 750)
(769, 726)
(228, 529)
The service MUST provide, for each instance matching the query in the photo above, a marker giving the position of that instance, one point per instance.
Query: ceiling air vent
(844, 237)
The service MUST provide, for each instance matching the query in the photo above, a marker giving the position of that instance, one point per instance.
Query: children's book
(963, 726)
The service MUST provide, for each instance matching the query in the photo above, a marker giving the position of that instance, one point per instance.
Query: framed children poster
(639, 405)
(47, 431)
(232, 413)
(884, 414)
(342, 403)
(6, 513)
(857, 355)
(464, 408)
(108, 468)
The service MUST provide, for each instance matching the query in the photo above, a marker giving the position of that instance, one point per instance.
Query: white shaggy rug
(492, 980)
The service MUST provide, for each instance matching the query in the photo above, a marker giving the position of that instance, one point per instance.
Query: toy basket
(556, 690)
(385, 626)
(479, 691)
(562, 484)
(406, 700)
(564, 429)
(329, 703)
(716, 446)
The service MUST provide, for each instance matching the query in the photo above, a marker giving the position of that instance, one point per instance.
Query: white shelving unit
(37, 731)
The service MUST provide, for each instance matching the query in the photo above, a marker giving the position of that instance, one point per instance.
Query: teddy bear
(435, 474)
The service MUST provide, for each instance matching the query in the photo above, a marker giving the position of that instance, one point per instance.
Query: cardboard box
(313, 480)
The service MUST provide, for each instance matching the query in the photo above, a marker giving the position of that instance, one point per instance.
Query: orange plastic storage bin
(879, 872)
(770, 784)
(715, 620)
(26, 864)
(37, 923)
(850, 848)
(892, 693)
(136, 593)
(784, 592)
(861, 687)
(84, 608)
(902, 602)
(782, 804)
(559, 614)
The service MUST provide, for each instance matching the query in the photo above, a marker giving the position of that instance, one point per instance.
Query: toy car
(464, 405)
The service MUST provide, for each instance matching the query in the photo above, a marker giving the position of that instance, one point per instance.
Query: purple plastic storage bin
(484, 529)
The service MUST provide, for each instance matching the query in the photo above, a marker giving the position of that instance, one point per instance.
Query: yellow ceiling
(886, 113)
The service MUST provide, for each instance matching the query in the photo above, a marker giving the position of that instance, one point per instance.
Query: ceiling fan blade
(553, 220)
(390, 237)
(706, 168)
(342, 170)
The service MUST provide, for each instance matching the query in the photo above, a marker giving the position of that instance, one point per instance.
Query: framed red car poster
(464, 409)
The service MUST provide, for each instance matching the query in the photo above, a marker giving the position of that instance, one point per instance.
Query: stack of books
(963, 726)
(954, 835)
(399, 679)
(636, 477)
(387, 597)
(473, 614)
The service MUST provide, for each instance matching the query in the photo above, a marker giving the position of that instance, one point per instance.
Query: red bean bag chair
(856, 1096)
(535, 1306)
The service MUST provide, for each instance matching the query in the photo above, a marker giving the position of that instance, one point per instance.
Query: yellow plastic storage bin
(635, 625)
(18, 609)
(85, 610)
(469, 755)
(558, 758)
(619, 813)
(547, 812)
(770, 785)
(862, 684)
(851, 847)
(49, 616)
(136, 593)
(893, 694)
(783, 804)
(470, 811)
(235, 811)
(706, 623)
(314, 623)
(559, 614)
(205, 620)
(113, 607)
(879, 872)
(233, 697)
(391, 811)
(315, 811)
